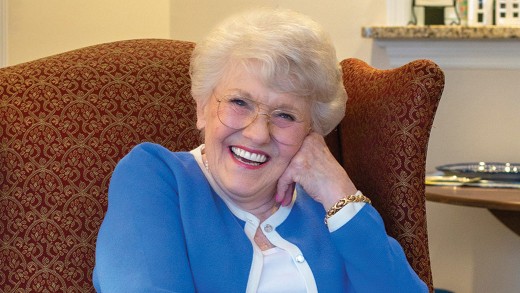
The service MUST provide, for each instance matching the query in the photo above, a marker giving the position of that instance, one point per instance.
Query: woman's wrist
(340, 204)
(334, 196)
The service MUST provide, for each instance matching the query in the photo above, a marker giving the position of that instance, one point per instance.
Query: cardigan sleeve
(345, 214)
(374, 261)
(140, 245)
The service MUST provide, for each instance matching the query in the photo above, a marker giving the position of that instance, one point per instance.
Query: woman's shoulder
(150, 165)
(156, 149)
(151, 152)
(157, 158)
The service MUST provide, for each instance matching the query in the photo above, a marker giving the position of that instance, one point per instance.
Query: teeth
(258, 158)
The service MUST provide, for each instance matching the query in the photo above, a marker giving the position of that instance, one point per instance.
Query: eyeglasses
(286, 127)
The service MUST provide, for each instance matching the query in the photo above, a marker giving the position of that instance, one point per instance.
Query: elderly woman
(245, 211)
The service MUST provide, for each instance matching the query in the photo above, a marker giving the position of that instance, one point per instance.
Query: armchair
(66, 120)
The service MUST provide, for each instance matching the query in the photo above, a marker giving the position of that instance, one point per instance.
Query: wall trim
(3, 33)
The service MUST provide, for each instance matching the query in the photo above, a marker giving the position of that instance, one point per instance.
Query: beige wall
(191, 20)
(477, 120)
(41, 28)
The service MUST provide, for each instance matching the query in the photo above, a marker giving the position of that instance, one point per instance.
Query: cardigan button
(268, 228)
(300, 258)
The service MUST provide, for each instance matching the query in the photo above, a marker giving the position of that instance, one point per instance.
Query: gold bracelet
(345, 201)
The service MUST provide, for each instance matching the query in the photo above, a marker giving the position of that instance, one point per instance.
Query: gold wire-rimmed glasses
(286, 126)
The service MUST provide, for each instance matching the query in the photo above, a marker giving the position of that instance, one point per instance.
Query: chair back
(65, 121)
(382, 143)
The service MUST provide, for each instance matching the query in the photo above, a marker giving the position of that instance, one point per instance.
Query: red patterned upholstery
(66, 120)
(382, 143)
(64, 123)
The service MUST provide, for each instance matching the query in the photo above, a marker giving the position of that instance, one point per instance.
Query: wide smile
(248, 158)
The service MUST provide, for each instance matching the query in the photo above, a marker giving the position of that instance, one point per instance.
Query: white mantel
(458, 47)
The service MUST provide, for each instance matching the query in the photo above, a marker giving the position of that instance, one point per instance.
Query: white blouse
(280, 273)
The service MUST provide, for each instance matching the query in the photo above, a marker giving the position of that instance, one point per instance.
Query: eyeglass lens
(286, 127)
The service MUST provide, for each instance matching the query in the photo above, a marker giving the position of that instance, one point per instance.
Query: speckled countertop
(442, 32)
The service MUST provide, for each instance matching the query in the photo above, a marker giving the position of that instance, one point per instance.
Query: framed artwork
(434, 3)
(434, 11)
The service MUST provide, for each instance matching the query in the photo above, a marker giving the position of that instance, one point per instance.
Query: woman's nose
(258, 131)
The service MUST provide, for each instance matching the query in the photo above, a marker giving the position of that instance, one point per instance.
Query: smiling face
(247, 163)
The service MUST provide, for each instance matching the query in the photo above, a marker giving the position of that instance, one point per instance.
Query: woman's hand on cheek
(318, 172)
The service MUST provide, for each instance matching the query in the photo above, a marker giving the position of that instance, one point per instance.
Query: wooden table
(502, 203)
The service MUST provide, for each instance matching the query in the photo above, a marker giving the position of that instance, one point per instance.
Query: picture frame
(434, 11)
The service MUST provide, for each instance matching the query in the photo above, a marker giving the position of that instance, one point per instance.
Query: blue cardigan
(166, 230)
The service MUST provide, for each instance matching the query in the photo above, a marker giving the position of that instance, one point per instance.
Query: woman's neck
(262, 210)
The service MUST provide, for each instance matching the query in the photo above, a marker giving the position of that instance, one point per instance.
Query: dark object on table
(489, 171)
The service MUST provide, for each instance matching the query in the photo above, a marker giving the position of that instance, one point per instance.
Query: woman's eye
(239, 102)
(288, 117)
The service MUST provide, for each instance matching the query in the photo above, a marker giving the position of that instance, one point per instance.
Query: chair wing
(382, 143)
(65, 121)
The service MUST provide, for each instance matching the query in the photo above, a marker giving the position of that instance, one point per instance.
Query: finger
(284, 187)
(288, 195)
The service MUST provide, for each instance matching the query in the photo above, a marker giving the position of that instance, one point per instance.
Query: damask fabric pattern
(383, 142)
(65, 121)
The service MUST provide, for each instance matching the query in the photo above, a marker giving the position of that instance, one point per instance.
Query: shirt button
(268, 228)
(300, 258)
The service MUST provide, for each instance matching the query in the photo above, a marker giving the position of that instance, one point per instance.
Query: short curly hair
(294, 53)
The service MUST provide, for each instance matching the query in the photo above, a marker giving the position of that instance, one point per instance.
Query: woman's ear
(201, 114)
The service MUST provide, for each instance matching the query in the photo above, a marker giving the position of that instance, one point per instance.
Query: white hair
(294, 54)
